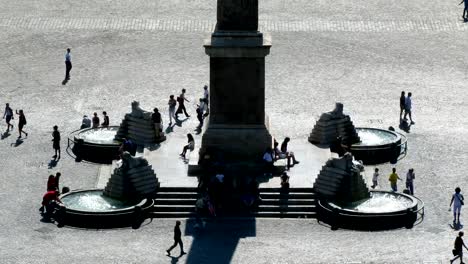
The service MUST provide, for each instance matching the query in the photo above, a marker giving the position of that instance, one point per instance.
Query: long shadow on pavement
(215, 240)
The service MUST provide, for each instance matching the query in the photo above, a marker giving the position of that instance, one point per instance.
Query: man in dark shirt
(402, 103)
(289, 155)
(106, 120)
(156, 117)
(458, 251)
(177, 239)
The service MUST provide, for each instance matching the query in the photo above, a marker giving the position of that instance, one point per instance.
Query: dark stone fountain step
(172, 215)
(283, 196)
(285, 214)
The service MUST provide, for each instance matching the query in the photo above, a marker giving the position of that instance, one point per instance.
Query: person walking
(408, 105)
(201, 108)
(393, 178)
(106, 119)
(172, 105)
(206, 96)
(68, 64)
(21, 122)
(402, 104)
(410, 176)
(56, 142)
(458, 248)
(95, 120)
(190, 146)
(8, 116)
(181, 100)
(375, 178)
(177, 240)
(465, 10)
(458, 201)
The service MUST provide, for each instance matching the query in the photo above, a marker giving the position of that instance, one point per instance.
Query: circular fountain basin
(96, 144)
(90, 208)
(377, 146)
(383, 210)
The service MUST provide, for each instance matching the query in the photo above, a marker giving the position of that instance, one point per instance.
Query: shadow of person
(170, 128)
(216, 240)
(53, 162)
(404, 125)
(18, 142)
(5, 134)
(198, 130)
(175, 259)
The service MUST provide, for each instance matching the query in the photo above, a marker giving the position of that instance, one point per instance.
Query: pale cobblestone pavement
(360, 53)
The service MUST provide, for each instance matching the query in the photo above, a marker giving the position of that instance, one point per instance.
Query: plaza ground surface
(360, 53)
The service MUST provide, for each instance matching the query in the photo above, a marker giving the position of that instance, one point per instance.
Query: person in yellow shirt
(393, 178)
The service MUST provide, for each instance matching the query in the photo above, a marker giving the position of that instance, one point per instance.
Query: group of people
(9, 116)
(202, 107)
(95, 122)
(393, 178)
(51, 206)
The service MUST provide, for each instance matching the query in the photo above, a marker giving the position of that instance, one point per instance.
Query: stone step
(172, 208)
(291, 190)
(180, 195)
(178, 189)
(287, 196)
(284, 208)
(176, 202)
(288, 202)
(304, 215)
(172, 215)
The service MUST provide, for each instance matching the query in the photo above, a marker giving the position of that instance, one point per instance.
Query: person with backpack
(458, 202)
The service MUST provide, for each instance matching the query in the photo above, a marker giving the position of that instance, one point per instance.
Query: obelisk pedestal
(237, 51)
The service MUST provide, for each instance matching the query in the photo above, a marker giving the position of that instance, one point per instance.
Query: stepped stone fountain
(333, 124)
(139, 127)
(340, 180)
(135, 178)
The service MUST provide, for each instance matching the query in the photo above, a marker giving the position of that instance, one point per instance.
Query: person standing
(68, 64)
(402, 104)
(56, 142)
(393, 178)
(177, 240)
(458, 248)
(410, 176)
(375, 178)
(181, 100)
(106, 119)
(458, 202)
(156, 117)
(201, 108)
(95, 120)
(172, 105)
(465, 10)
(206, 96)
(21, 122)
(408, 105)
(8, 116)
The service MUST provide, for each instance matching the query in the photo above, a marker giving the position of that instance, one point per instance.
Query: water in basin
(99, 136)
(380, 203)
(372, 137)
(92, 201)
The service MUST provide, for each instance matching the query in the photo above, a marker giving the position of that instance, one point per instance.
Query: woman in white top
(190, 146)
(458, 201)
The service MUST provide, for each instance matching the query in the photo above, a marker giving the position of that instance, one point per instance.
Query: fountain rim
(343, 211)
(399, 138)
(130, 208)
(73, 137)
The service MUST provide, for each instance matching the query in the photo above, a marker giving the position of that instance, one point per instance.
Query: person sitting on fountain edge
(86, 123)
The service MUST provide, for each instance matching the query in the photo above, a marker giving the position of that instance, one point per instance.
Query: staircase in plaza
(179, 202)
